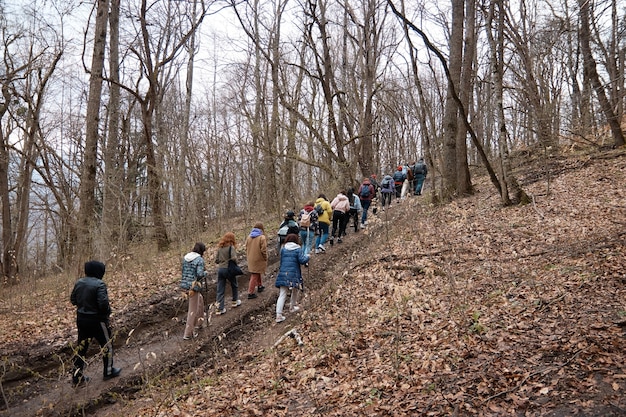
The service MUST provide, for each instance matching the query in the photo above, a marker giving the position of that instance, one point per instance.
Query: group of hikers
(318, 222)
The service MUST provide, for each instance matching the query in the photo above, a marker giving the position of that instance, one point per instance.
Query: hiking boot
(79, 381)
(362, 226)
(280, 318)
(260, 288)
(220, 312)
(251, 296)
(331, 240)
(193, 335)
(236, 303)
(294, 309)
(115, 372)
(322, 248)
(339, 240)
(317, 251)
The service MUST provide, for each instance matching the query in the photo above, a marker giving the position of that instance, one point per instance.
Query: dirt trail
(149, 342)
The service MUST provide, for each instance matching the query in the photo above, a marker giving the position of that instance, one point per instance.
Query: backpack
(290, 227)
(319, 209)
(386, 184)
(419, 169)
(307, 218)
(365, 191)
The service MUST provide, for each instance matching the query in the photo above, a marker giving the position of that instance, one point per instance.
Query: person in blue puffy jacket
(289, 275)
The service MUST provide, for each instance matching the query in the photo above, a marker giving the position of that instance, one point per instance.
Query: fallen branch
(293, 333)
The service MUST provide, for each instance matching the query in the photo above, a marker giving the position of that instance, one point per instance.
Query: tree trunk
(113, 231)
(591, 71)
(464, 184)
(450, 118)
(87, 213)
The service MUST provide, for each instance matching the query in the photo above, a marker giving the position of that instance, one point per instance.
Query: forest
(131, 129)
(127, 122)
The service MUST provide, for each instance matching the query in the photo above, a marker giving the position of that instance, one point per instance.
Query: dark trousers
(386, 200)
(353, 214)
(101, 331)
(222, 277)
(398, 190)
(339, 223)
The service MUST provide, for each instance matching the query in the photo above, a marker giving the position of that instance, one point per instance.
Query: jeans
(307, 236)
(323, 236)
(419, 182)
(222, 277)
(366, 206)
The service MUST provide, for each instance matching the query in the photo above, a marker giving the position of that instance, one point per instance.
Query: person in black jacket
(92, 319)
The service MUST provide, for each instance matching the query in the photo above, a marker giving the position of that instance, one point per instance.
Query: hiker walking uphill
(256, 254)
(92, 319)
(325, 214)
(366, 195)
(355, 208)
(307, 219)
(193, 273)
(289, 275)
(398, 180)
(387, 189)
(420, 172)
(288, 226)
(341, 207)
(226, 252)
(375, 184)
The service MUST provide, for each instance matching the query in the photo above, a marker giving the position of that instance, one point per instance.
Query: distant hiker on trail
(92, 319)
(387, 189)
(355, 208)
(193, 273)
(341, 207)
(366, 194)
(256, 254)
(410, 176)
(420, 172)
(227, 251)
(288, 225)
(398, 180)
(289, 275)
(307, 219)
(376, 185)
(325, 214)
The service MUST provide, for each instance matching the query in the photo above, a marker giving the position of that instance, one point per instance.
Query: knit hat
(94, 269)
(399, 167)
(290, 214)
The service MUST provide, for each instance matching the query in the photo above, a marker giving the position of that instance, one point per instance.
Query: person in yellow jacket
(325, 215)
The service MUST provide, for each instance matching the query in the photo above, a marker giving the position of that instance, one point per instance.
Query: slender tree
(592, 72)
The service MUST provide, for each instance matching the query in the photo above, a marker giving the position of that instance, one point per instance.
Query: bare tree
(86, 215)
(155, 52)
(592, 72)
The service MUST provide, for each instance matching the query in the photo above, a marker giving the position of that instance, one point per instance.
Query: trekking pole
(207, 305)
(387, 222)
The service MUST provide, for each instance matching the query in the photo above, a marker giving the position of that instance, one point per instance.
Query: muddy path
(148, 342)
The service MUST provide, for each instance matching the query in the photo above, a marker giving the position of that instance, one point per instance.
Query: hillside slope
(464, 309)
(467, 309)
